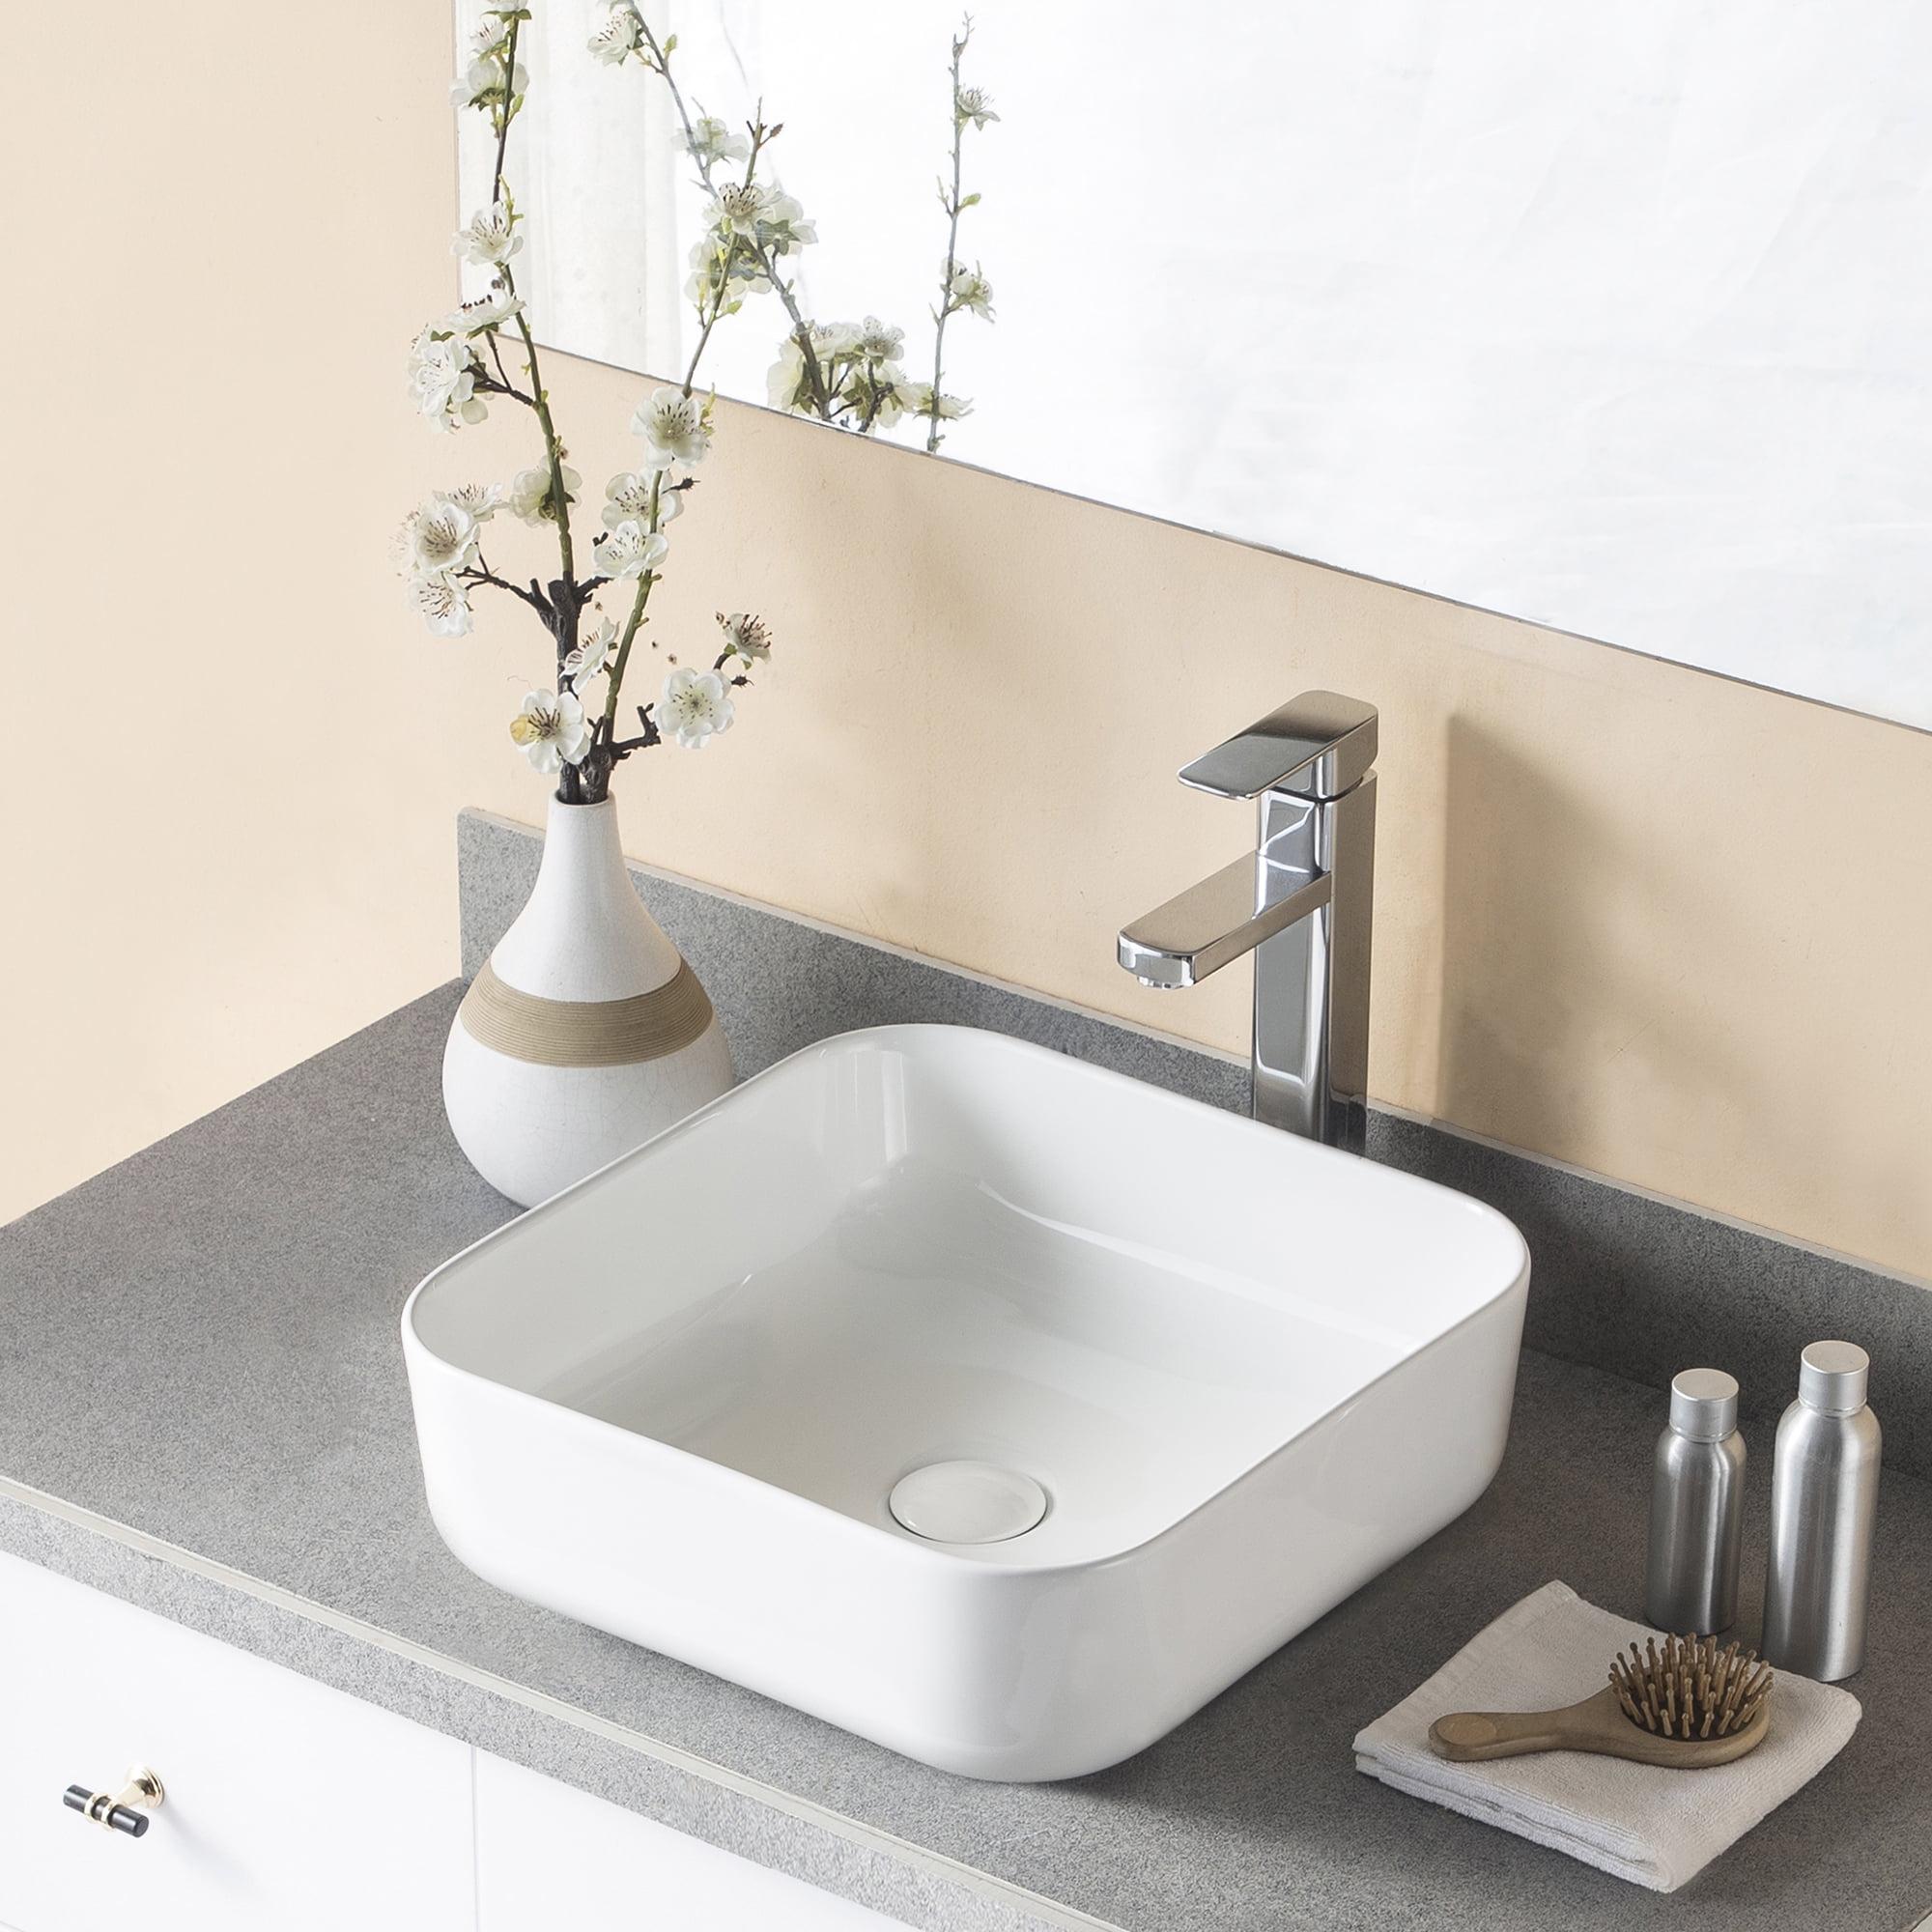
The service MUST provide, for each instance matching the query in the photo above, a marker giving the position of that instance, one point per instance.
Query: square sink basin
(994, 1406)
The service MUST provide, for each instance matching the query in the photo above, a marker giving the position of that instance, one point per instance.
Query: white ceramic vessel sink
(1205, 1379)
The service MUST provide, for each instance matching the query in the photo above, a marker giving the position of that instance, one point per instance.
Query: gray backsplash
(1620, 1280)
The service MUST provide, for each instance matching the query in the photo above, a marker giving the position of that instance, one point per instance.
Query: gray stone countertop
(202, 1408)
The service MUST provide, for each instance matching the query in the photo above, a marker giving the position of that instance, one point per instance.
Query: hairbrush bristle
(1690, 1689)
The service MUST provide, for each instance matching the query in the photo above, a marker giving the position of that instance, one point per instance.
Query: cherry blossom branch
(450, 374)
(660, 61)
(537, 399)
(951, 205)
(553, 446)
(480, 573)
(651, 736)
(501, 384)
(718, 305)
(509, 111)
(768, 267)
(614, 680)
(723, 291)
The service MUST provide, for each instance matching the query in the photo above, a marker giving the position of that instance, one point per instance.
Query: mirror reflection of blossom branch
(960, 287)
(456, 365)
(848, 373)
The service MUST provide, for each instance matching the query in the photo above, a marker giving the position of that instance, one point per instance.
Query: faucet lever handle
(1316, 746)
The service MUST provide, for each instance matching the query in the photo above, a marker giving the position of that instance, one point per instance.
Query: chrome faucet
(1302, 905)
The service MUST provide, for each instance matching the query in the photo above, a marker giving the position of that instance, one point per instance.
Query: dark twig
(475, 575)
(651, 736)
(500, 385)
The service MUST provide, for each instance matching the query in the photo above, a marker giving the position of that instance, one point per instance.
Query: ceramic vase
(584, 1033)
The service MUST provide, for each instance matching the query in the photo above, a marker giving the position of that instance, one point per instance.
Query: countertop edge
(677, 1787)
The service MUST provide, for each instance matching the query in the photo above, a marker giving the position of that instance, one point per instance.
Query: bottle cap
(1704, 1404)
(1832, 1376)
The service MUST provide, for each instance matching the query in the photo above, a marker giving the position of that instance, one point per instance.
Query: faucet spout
(1199, 931)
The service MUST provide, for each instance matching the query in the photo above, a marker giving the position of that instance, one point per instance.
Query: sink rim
(994, 1560)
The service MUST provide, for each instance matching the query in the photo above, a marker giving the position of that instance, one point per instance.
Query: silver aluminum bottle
(1824, 1494)
(1696, 1508)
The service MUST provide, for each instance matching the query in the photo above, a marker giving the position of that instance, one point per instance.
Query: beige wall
(226, 786)
(1663, 926)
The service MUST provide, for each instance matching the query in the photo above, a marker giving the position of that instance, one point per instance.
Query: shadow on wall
(1565, 979)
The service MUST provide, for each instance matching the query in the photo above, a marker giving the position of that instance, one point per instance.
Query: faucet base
(1311, 1011)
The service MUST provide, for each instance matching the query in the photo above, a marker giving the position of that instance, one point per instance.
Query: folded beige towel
(1656, 1826)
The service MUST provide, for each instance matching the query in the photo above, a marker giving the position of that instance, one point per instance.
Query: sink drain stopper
(967, 1502)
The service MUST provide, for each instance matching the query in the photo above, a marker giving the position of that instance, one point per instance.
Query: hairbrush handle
(1472, 1735)
(1597, 1724)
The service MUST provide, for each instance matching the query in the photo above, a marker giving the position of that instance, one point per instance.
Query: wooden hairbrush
(1687, 1705)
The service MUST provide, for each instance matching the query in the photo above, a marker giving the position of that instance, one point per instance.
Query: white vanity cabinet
(288, 1806)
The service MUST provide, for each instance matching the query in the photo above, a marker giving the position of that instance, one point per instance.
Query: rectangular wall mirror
(1617, 318)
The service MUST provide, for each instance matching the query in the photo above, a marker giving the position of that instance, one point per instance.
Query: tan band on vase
(586, 1033)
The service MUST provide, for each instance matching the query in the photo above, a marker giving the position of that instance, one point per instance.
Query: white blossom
(723, 263)
(482, 84)
(974, 104)
(737, 207)
(746, 635)
(789, 382)
(673, 427)
(878, 341)
(627, 499)
(489, 310)
(552, 728)
(881, 394)
(529, 497)
(630, 550)
(761, 214)
(711, 140)
(616, 39)
(693, 706)
(473, 86)
(442, 604)
(490, 239)
(442, 381)
(787, 385)
(440, 538)
(916, 398)
(782, 227)
(592, 655)
(480, 500)
(832, 340)
(857, 373)
(969, 289)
